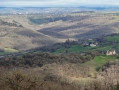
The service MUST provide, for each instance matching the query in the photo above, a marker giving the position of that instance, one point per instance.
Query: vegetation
(112, 38)
(10, 50)
(65, 72)
(73, 49)
(104, 44)
(72, 65)
(77, 67)
(42, 20)
(21, 32)
(14, 80)
(99, 61)
(40, 59)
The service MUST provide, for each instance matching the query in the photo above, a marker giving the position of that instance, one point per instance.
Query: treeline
(54, 47)
(42, 20)
(10, 24)
(40, 59)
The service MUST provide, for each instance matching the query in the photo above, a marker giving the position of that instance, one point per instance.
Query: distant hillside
(23, 32)
(101, 44)
(15, 36)
(83, 25)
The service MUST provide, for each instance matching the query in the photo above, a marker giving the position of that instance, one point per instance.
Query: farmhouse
(93, 44)
(111, 52)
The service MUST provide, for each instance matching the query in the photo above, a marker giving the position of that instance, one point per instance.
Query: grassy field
(99, 61)
(112, 38)
(8, 51)
(60, 50)
(104, 47)
(111, 42)
(73, 49)
(95, 64)
(79, 48)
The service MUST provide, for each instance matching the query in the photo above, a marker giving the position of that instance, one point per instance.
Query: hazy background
(58, 3)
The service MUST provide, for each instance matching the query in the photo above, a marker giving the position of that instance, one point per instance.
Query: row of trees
(10, 24)
(40, 59)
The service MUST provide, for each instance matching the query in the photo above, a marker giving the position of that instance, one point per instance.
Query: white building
(111, 52)
(93, 45)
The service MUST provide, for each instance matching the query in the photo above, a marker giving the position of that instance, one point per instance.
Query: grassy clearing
(98, 61)
(10, 50)
(95, 64)
(60, 50)
(78, 48)
(112, 38)
(104, 47)
(74, 48)
(101, 60)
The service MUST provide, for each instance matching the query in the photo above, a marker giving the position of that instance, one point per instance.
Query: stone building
(111, 52)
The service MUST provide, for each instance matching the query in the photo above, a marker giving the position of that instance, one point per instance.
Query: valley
(59, 48)
(33, 31)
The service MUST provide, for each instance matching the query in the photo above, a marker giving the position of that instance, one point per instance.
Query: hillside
(59, 48)
(14, 35)
(24, 32)
(78, 72)
(82, 25)
(102, 44)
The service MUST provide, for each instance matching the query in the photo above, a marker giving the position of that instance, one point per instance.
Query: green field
(79, 48)
(101, 60)
(95, 64)
(112, 38)
(111, 42)
(8, 51)
(74, 48)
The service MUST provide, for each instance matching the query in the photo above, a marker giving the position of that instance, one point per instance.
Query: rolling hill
(23, 32)
(20, 38)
